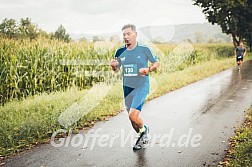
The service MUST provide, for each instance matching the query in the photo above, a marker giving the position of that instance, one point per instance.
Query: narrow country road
(188, 127)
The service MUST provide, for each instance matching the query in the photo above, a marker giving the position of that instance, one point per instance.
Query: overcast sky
(100, 16)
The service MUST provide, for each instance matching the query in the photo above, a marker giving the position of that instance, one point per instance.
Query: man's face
(241, 44)
(129, 36)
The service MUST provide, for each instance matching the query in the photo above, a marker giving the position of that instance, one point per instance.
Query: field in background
(36, 74)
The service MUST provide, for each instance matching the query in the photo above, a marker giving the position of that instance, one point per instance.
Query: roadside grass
(240, 152)
(33, 120)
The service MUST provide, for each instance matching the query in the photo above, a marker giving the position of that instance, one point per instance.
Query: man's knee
(134, 115)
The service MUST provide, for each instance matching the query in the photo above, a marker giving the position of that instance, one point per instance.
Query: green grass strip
(240, 153)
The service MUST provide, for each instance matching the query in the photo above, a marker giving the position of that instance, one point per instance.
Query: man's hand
(144, 71)
(113, 64)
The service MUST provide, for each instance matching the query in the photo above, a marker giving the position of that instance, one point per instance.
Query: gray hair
(132, 26)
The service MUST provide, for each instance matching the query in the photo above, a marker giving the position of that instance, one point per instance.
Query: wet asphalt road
(188, 127)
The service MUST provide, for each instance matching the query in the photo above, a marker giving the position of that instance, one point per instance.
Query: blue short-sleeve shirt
(131, 61)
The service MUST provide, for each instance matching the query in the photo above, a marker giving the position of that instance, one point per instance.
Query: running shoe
(142, 139)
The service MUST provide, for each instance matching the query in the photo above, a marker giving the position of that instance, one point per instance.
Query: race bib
(130, 70)
(239, 57)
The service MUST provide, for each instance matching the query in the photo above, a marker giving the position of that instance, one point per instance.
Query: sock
(141, 130)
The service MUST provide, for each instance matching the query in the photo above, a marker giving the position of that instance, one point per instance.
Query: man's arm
(155, 63)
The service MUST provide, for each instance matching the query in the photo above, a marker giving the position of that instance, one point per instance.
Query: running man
(134, 58)
(239, 52)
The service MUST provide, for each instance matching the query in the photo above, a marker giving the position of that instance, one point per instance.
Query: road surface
(188, 127)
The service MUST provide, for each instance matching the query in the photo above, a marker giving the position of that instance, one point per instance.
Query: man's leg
(128, 97)
(135, 110)
(241, 63)
(238, 64)
(136, 121)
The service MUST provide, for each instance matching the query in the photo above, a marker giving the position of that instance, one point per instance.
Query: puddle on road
(230, 100)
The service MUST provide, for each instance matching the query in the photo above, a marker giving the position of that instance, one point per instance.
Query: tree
(188, 40)
(96, 38)
(233, 16)
(9, 28)
(25, 29)
(83, 39)
(211, 40)
(28, 29)
(61, 34)
(43, 34)
(199, 37)
(248, 33)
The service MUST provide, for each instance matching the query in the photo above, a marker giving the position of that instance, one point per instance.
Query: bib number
(130, 70)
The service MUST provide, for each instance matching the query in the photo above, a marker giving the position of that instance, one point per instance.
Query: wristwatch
(150, 69)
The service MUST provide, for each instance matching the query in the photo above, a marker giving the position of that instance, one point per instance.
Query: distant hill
(204, 32)
(178, 33)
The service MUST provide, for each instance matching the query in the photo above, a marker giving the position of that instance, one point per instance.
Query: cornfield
(32, 68)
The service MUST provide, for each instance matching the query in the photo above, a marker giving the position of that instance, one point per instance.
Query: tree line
(25, 29)
(233, 16)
